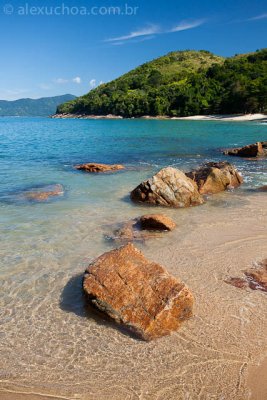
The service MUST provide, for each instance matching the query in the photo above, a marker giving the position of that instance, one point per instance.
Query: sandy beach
(217, 354)
(227, 118)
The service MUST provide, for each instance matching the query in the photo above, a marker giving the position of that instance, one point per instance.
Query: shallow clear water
(48, 339)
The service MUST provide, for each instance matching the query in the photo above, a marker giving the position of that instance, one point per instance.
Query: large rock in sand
(137, 293)
(93, 167)
(169, 187)
(215, 177)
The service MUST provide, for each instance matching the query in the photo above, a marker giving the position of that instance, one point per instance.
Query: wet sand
(26, 396)
(257, 381)
(51, 345)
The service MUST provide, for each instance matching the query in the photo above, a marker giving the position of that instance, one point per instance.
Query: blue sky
(56, 47)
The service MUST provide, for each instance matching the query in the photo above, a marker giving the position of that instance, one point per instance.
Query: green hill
(33, 108)
(182, 83)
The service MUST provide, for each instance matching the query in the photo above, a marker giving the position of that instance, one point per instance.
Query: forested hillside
(182, 83)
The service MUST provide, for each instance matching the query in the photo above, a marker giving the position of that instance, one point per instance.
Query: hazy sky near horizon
(55, 47)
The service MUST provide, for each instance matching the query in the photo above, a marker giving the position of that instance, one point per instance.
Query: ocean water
(49, 343)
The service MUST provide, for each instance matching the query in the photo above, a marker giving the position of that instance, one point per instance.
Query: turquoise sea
(44, 247)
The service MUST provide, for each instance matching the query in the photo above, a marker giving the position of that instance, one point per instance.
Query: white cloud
(258, 17)
(61, 81)
(92, 83)
(185, 25)
(77, 80)
(151, 31)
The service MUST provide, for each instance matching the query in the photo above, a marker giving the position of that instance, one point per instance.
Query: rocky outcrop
(215, 177)
(42, 194)
(169, 187)
(258, 149)
(157, 222)
(93, 167)
(255, 278)
(137, 293)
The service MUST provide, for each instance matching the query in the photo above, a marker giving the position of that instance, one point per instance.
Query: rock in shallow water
(140, 229)
(258, 149)
(256, 278)
(157, 222)
(45, 193)
(93, 167)
(137, 293)
(215, 177)
(169, 187)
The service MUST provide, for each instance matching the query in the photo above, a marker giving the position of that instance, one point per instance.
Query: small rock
(262, 188)
(157, 222)
(137, 293)
(169, 187)
(93, 167)
(237, 282)
(257, 277)
(132, 231)
(215, 177)
(258, 149)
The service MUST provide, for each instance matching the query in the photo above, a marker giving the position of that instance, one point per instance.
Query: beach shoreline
(52, 344)
(219, 117)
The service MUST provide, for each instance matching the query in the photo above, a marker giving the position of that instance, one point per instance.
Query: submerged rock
(240, 283)
(137, 293)
(215, 177)
(255, 278)
(262, 188)
(157, 222)
(128, 232)
(93, 167)
(169, 187)
(41, 194)
(258, 149)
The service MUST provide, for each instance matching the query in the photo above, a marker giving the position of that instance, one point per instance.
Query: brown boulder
(137, 293)
(93, 167)
(157, 222)
(215, 177)
(169, 187)
(44, 193)
(252, 150)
